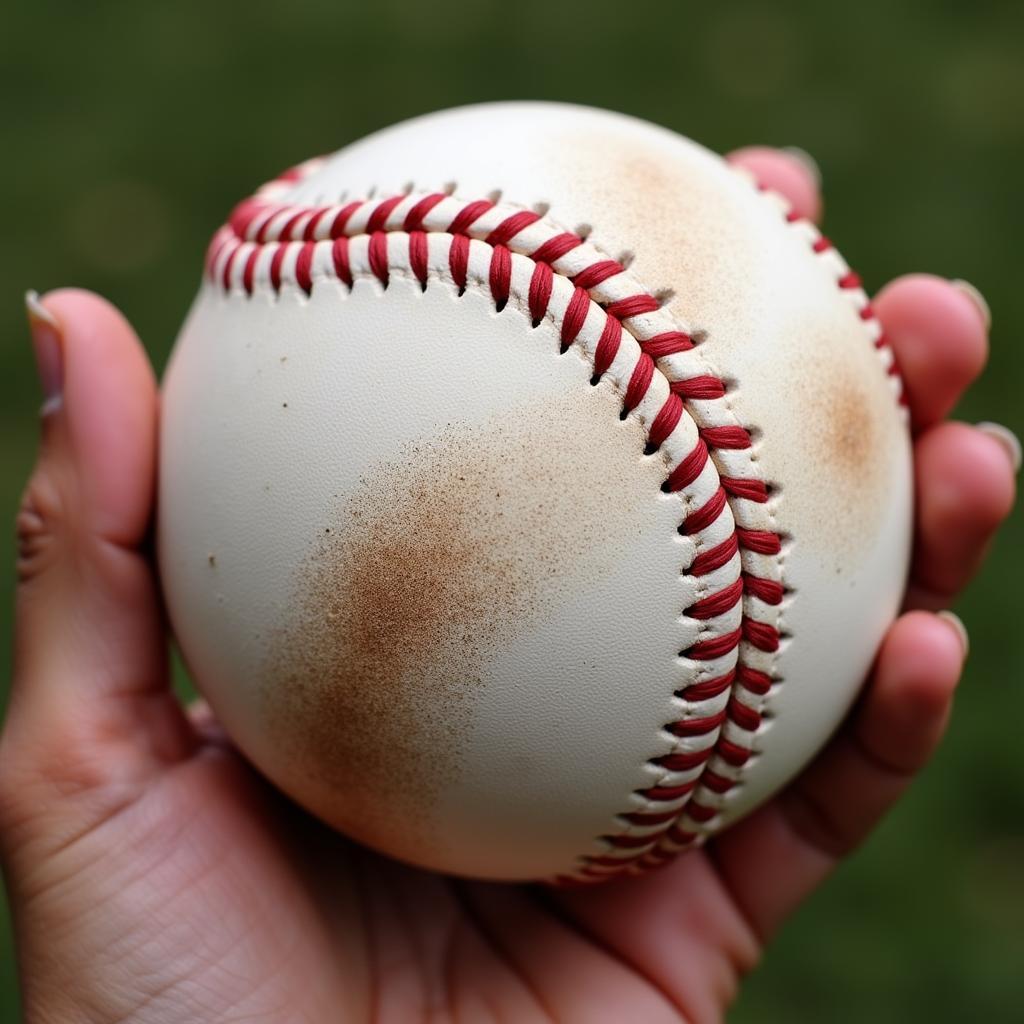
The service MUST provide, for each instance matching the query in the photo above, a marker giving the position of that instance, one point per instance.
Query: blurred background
(130, 130)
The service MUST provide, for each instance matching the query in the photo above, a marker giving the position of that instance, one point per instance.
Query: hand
(155, 877)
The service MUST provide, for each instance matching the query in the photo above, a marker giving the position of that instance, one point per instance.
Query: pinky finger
(794, 842)
(792, 173)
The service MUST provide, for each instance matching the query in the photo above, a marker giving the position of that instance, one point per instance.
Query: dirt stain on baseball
(685, 231)
(851, 444)
(439, 558)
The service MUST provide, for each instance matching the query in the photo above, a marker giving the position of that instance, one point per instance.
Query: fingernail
(1007, 438)
(977, 298)
(807, 160)
(49, 350)
(958, 627)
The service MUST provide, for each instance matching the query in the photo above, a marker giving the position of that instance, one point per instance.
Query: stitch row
(272, 243)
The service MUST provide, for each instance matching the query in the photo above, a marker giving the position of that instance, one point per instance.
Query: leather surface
(422, 570)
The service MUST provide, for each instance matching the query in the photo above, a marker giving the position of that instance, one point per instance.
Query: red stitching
(555, 248)
(709, 688)
(468, 214)
(380, 215)
(500, 278)
(733, 753)
(275, 267)
(378, 257)
(717, 783)
(575, 314)
(761, 541)
(714, 558)
(700, 812)
(646, 819)
(726, 437)
(760, 634)
(289, 225)
(850, 281)
(753, 680)
(745, 717)
(687, 471)
(304, 263)
(668, 344)
(458, 260)
(684, 762)
(305, 225)
(341, 220)
(705, 516)
(313, 225)
(540, 291)
(414, 218)
(699, 388)
(659, 793)
(752, 490)
(608, 346)
(247, 274)
(769, 591)
(597, 273)
(666, 421)
(635, 305)
(511, 226)
(339, 259)
(418, 256)
(643, 374)
(717, 604)
(707, 650)
(256, 223)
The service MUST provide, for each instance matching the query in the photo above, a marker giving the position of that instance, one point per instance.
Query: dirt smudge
(686, 232)
(851, 437)
(436, 560)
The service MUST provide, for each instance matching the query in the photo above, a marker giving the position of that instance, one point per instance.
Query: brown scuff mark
(437, 560)
(851, 437)
(849, 430)
(685, 231)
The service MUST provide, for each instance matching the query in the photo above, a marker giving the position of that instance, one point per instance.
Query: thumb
(90, 699)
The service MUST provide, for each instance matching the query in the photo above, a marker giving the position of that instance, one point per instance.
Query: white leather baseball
(427, 562)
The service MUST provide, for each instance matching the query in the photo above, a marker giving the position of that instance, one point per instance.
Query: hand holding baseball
(155, 876)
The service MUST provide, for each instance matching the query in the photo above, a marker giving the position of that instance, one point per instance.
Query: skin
(154, 876)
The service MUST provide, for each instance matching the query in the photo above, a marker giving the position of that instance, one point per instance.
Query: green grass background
(129, 129)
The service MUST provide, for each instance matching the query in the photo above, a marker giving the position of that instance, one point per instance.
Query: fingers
(90, 682)
(552, 943)
(937, 328)
(774, 859)
(86, 601)
(939, 332)
(679, 927)
(790, 172)
(964, 476)
(965, 481)
(100, 421)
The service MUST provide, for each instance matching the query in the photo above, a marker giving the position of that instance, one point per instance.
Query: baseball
(535, 490)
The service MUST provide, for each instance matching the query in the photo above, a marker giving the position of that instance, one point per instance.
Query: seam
(847, 281)
(655, 361)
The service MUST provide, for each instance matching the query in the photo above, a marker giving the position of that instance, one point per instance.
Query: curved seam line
(290, 216)
(309, 215)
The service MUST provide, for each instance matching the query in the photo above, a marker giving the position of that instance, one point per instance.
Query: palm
(223, 854)
(155, 876)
